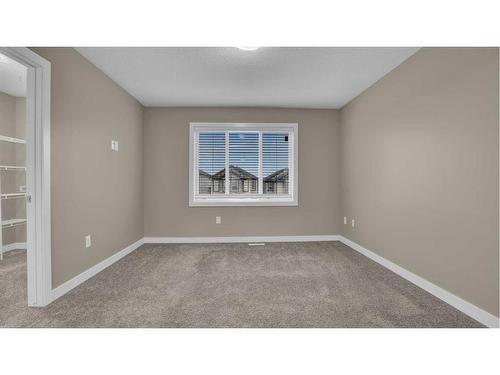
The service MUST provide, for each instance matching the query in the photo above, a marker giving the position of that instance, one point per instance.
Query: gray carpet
(314, 284)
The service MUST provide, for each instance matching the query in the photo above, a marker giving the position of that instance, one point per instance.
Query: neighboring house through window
(260, 161)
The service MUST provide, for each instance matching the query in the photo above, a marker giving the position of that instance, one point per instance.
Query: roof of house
(237, 171)
(279, 175)
(206, 174)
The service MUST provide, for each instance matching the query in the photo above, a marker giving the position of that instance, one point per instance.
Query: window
(260, 161)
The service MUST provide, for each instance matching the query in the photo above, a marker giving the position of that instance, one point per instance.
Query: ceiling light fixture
(248, 48)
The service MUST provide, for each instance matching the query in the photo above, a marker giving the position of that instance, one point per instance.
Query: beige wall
(166, 166)
(419, 170)
(94, 190)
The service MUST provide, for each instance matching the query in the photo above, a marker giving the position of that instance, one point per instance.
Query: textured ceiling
(304, 77)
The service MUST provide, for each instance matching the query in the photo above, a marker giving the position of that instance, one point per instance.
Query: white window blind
(275, 164)
(243, 164)
(211, 156)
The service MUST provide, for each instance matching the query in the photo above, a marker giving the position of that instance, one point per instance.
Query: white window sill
(220, 202)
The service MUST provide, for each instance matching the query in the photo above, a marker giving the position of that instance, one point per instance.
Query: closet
(12, 174)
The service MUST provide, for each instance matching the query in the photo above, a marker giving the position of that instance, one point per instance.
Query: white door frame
(37, 173)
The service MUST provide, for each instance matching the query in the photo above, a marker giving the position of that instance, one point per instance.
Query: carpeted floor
(313, 284)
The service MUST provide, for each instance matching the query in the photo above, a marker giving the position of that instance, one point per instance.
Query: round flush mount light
(248, 48)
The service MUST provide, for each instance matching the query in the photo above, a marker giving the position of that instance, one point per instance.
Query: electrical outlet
(88, 241)
(114, 145)
(345, 220)
(352, 223)
(218, 220)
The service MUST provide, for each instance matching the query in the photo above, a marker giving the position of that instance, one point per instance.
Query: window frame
(228, 199)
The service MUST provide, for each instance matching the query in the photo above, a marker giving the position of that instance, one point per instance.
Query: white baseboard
(84, 276)
(14, 246)
(240, 239)
(467, 308)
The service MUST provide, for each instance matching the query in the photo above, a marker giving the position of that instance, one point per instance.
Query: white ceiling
(305, 77)
(12, 77)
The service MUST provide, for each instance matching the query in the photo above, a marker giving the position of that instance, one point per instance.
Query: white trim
(467, 308)
(260, 181)
(227, 173)
(240, 239)
(240, 202)
(94, 270)
(14, 246)
(196, 200)
(37, 173)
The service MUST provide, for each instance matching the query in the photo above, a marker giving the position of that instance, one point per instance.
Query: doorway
(25, 168)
